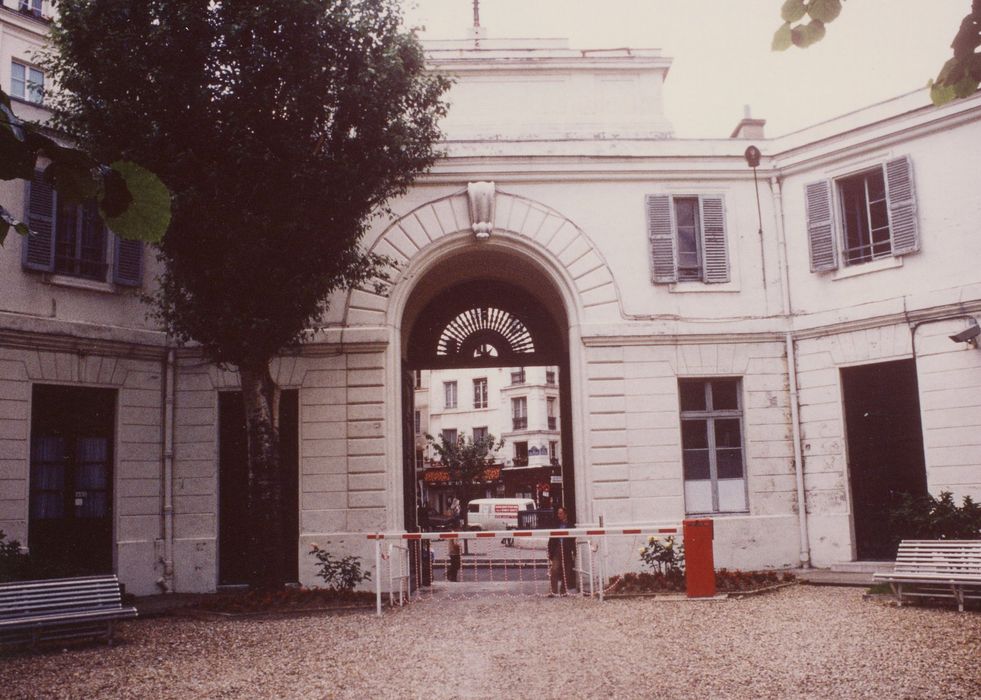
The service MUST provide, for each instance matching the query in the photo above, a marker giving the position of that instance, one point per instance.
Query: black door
(233, 484)
(885, 449)
(70, 526)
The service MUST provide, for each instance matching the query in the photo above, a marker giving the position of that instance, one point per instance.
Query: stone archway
(532, 249)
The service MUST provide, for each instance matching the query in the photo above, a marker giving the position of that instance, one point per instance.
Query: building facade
(781, 362)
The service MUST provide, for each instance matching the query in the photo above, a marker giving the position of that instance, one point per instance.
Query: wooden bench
(60, 609)
(936, 568)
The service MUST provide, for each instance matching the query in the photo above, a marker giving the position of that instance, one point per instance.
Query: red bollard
(699, 561)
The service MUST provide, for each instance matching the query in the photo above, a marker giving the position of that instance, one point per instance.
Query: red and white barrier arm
(658, 530)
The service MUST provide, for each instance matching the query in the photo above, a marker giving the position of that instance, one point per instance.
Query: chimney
(748, 128)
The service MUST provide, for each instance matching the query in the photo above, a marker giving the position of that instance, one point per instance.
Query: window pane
(698, 496)
(685, 209)
(18, 81)
(876, 184)
(694, 434)
(732, 495)
(727, 433)
(729, 463)
(725, 394)
(692, 395)
(696, 464)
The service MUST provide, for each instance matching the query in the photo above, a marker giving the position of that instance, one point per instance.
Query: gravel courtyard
(803, 641)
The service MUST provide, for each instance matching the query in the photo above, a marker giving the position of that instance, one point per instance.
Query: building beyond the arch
(783, 365)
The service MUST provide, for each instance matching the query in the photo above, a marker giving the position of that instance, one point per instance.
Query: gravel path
(801, 642)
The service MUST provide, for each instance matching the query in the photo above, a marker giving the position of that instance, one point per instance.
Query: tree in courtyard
(281, 127)
(804, 23)
(467, 460)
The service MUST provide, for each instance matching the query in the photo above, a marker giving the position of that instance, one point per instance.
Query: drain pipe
(166, 582)
(805, 541)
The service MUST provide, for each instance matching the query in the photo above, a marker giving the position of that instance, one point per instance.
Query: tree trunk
(265, 492)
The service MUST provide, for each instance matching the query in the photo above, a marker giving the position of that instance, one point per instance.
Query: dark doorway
(233, 483)
(885, 449)
(72, 439)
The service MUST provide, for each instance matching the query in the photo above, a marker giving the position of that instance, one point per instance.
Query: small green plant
(935, 518)
(665, 557)
(338, 574)
(13, 562)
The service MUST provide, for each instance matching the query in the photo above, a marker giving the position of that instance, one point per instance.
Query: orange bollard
(699, 560)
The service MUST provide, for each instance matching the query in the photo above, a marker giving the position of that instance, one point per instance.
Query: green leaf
(824, 10)
(8, 220)
(148, 215)
(803, 35)
(781, 39)
(966, 86)
(941, 94)
(792, 10)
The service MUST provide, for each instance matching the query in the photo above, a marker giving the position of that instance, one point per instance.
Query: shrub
(929, 518)
(338, 574)
(14, 564)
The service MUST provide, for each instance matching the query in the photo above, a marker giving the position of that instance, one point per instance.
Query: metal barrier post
(603, 561)
(378, 578)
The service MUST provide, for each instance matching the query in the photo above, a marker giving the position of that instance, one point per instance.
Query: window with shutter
(876, 210)
(688, 239)
(71, 240)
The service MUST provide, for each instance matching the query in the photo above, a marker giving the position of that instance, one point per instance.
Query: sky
(875, 50)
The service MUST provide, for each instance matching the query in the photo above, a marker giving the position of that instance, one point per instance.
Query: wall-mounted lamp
(969, 335)
(752, 155)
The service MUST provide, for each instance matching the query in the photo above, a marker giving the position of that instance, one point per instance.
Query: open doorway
(885, 449)
(486, 357)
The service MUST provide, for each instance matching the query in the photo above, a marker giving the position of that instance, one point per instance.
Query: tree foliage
(281, 127)
(132, 201)
(804, 24)
(466, 459)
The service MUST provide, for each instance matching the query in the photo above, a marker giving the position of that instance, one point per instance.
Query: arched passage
(486, 306)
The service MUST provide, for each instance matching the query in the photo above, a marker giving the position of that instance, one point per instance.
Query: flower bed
(283, 600)
(726, 581)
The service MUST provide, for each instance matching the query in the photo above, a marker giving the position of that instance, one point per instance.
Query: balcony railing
(519, 423)
(552, 421)
(520, 461)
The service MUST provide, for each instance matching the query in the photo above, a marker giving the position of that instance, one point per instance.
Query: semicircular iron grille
(485, 332)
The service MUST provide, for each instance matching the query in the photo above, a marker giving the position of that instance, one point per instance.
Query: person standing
(561, 557)
(453, 570)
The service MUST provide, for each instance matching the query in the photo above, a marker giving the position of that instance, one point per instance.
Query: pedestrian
(561, 557)
(453, 570)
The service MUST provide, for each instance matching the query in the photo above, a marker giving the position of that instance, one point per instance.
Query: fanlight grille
(485, 332)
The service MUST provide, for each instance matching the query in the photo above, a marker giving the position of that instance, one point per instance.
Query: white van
(496, 513)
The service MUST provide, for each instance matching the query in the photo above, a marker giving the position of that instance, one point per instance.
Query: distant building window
(519, 413)
(449, 436)
(418, 378)
(518, 376)
(712, 445)
(417, 421)
(553, 451)
(550, 376)
(521, 454)
(449, 394)
(479, 434)
(26, 82)
(480, 392)
(552, 419)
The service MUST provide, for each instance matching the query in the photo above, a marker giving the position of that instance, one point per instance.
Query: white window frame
(849, 256)
(480, 392)
(519, 410)
(709, 415)
(27, 87)
(449, 394)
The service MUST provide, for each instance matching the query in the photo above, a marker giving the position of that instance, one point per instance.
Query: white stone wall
(138, 449)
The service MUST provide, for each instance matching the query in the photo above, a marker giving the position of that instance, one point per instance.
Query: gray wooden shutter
(715, 254)
(820, 226)
(127, 266)
(41, 211)
(664, 266)
(902, 206)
